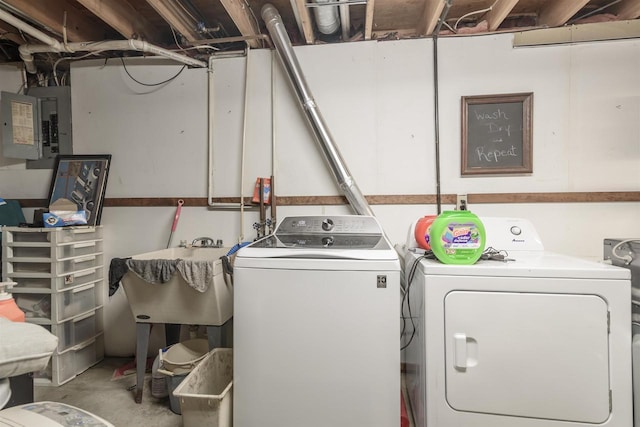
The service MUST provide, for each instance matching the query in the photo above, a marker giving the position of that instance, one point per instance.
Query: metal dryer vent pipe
(292, 68)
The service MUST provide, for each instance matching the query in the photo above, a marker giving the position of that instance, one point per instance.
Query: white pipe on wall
(27, 50)
(53, 45)
(34, 32)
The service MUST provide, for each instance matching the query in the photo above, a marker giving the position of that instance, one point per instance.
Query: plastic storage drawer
(65, 250)
(75, 331)
(66, 365)
(54, 235)
(82, 277)
(68, 303)
(26, 265)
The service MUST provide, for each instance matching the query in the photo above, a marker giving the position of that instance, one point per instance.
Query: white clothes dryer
(540, 341)
(316, 326)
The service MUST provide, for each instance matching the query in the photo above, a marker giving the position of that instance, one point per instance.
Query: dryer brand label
(382, 281)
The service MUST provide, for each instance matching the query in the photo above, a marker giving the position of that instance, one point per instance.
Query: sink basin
(176, 301)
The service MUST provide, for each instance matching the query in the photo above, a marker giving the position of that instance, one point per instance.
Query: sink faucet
(206, 242)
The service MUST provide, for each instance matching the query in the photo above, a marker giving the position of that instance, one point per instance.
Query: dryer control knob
(327, 241)
(327, 224)
(515, 230)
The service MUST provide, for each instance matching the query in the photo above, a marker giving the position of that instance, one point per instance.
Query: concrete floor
(95, 392)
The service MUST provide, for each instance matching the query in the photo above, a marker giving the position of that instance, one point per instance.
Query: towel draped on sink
(196, 273)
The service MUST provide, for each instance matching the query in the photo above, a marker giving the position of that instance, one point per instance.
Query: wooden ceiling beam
(557, 12)
(8, 32)
(430, 16)
(122, 17)
(50, 14)
(499, 12)
(626, 9)
(172, 12)
(303, 18)
(243, 17)
(368, 22)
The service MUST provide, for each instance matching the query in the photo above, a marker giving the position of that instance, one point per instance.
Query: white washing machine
(541, 341)
(316, 321)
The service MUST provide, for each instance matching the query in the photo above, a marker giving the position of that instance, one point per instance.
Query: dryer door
(534, 355)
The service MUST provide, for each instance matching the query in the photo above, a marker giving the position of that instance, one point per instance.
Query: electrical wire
(488, 9)
(626, 258)
(151, 84)
(255, 19)
(407, 297)
(71, 58)
(175, 38)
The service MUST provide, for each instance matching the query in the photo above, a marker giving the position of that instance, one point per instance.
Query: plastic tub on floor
(206, 397)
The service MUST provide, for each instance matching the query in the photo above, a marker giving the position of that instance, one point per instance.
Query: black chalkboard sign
(496, 134)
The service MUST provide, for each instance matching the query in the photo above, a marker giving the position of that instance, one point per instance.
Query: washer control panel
(346, 224)
(327, 232)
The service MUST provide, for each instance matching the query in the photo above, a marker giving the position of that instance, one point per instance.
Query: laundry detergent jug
(457, 237)
(8, 307)
(423, 226)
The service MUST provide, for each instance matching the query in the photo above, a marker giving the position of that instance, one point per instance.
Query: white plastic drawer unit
(58, 307)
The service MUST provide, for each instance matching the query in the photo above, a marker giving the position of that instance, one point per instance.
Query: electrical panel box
(37, 126)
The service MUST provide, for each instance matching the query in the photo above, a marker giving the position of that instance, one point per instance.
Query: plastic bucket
(185, 355)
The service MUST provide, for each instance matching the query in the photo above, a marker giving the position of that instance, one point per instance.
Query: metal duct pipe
(312, 113)
(326, 17)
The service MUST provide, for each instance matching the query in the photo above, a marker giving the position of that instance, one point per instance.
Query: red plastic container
(8, 307)
(422, 231)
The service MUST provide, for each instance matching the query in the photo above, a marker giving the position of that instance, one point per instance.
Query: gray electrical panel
(37, 126)
(55, 118)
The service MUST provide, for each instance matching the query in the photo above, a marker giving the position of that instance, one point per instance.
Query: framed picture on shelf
(80, 181)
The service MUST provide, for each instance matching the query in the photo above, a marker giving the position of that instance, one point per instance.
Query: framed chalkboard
(496, 134)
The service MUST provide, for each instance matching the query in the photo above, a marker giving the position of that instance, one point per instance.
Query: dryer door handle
(460, 351)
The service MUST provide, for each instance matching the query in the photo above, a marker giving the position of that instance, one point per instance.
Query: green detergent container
(457, 237)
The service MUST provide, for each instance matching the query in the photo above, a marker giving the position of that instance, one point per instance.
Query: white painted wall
(377, 99)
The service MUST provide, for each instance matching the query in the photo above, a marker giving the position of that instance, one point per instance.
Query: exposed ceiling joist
(304, 20)
(368, 20)
(244, 19)
(8, 32)
(499, 12)
(430, 16)
(558, 12)
(50, 14)
(176, 17)
(122, 17)
(626, 9)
